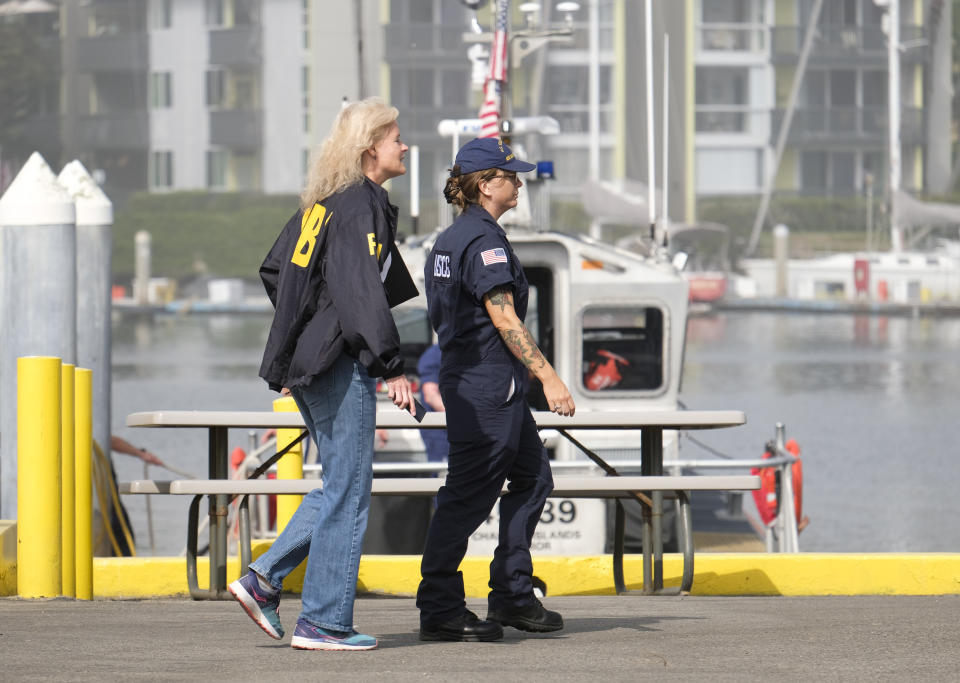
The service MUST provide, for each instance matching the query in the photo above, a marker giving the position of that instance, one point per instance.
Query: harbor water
(871, 401)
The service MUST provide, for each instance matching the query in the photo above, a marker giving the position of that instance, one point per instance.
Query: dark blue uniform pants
(505, 446)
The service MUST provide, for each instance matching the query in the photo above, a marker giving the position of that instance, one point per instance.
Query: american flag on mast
(496, 77)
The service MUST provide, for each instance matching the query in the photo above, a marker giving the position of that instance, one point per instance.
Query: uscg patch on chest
(441, 266)
(491, 256)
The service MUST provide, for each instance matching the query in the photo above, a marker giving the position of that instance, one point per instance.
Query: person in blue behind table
(332, 275)
(428, 369)
(477, 300)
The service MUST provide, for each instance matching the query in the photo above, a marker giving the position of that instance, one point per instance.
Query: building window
(161, 90)
(305, 21)
(215, 12)
(161, 169)
(216, 168)
(215, 88)
(455, 88)
(813, 171)
(305, 99)
(161, 14)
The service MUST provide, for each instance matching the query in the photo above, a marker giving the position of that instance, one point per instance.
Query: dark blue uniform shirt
(469, 259)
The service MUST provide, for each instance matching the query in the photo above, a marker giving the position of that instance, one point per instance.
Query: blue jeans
(339, 408)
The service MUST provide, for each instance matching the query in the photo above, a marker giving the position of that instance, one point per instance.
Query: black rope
(276, 456)
(707, 448)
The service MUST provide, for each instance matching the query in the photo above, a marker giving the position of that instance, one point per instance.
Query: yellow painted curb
(715, 574)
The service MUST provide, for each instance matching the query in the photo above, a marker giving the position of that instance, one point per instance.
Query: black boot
(464, 627)
(533, 617)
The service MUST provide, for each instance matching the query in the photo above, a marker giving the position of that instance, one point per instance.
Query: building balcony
(730, 37)
(843, 44)
(403, 41)
(122, 52)
(127, 130)
(240, 46)
(237, 128)
(846, 125)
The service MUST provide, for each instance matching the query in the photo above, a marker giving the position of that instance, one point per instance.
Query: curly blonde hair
(336, 164)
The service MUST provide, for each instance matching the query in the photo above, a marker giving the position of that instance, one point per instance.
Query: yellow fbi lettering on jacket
(310, 227)
(375, 246)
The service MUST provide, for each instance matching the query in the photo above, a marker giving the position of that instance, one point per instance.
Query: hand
(558, 397)
(400, 392)
(149, 457)
(382, 437)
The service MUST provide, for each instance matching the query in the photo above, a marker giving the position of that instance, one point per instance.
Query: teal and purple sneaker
(309, 637)
(262, 606)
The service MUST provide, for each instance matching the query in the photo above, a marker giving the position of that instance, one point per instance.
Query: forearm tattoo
(518, 339)
(523, 346)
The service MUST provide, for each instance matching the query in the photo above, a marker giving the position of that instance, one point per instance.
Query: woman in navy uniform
(477, 299)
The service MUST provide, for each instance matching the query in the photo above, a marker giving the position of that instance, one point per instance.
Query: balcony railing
(837, 42)
(848, 124)
(122, 52)
(732, 118)
(237, 128)
(731, 37)
(130, 130)
(241, 46)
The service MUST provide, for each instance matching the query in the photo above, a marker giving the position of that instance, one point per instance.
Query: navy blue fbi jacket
(333, 274)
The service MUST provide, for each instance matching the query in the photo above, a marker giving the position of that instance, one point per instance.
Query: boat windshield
(622, 348)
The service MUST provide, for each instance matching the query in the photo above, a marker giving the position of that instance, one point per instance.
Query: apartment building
(747, 55)
(232, 95)
(206, 94)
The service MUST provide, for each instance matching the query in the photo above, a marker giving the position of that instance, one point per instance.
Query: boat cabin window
(622, 348)
(415, 334)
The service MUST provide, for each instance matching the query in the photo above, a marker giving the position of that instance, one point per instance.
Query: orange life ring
(765, 497)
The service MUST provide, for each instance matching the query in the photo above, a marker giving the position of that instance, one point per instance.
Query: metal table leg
(217, 514)
(651, 464)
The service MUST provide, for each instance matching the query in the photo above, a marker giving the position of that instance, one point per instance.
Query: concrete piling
(38, 292)
(94, 256)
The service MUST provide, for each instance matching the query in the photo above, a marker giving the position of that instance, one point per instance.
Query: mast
(893, 114)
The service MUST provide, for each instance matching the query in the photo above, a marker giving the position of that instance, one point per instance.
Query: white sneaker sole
(301, 643)
(252, 609)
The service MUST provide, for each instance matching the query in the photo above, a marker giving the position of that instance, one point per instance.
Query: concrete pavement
(691, 638)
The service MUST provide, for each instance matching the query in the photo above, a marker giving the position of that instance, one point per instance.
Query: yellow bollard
(83, 457)
(38, 476)
(68, 531)
(290, 465)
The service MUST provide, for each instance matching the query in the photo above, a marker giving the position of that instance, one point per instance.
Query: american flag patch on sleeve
(491, 256)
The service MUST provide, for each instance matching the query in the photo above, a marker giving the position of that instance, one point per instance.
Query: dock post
(38, 313)
(68, 497)
(290, 466)
(38, 477)
(83, 454)
(94, 255)
(141, 268)
(781, 252)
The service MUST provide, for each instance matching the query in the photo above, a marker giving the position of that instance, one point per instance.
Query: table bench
(650, 423)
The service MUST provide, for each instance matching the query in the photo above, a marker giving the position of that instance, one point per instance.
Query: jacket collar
(477, 211)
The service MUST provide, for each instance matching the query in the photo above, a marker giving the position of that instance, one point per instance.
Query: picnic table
(650, 423)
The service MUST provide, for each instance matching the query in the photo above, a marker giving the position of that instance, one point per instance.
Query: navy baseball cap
(481, 154)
